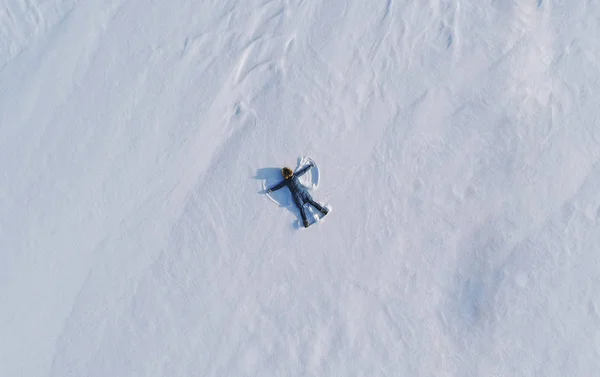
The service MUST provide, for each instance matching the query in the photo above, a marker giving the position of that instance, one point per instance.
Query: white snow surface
(459, 142)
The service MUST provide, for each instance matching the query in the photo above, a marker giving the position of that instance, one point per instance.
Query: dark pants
(300, 204)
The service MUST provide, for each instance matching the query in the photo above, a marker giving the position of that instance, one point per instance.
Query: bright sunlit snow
(457, 141)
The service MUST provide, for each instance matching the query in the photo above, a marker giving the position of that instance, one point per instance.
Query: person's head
(287, 173)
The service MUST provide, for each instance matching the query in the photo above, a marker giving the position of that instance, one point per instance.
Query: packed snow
(459, 143)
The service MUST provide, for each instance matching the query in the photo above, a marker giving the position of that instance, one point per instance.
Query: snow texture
(461, 145)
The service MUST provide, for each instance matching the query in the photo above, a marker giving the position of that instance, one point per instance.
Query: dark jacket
(299, 193)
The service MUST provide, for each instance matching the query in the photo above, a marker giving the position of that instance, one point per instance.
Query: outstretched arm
(303, 170)
(277, 186)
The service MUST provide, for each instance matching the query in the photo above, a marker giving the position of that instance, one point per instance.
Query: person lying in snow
(299, 193)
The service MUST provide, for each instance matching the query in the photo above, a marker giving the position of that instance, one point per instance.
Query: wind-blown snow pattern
(459, 143)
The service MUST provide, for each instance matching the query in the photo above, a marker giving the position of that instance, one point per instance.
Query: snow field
(458, 144)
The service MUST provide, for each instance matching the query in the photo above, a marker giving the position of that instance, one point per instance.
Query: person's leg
(300, 206)
(321, 209)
